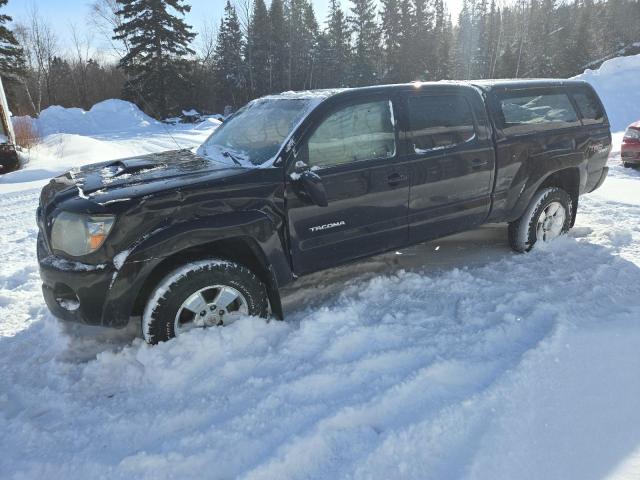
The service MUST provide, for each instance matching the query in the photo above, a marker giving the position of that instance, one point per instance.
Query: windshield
(255, 133)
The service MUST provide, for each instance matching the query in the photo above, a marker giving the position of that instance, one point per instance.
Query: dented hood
(136, 176)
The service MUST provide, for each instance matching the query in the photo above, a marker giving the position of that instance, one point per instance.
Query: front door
(353, 150)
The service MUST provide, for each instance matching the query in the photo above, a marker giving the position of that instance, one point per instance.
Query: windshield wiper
(230, 155)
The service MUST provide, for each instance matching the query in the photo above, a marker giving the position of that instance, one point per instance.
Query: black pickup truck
(299, 182)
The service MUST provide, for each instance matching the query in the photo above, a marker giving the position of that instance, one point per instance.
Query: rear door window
(524, 111)
(437, 122)
(589, 106)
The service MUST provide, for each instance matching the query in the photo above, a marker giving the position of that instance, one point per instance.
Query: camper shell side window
(531, 110)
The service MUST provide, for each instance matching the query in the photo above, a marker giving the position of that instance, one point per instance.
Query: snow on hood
(617, 82)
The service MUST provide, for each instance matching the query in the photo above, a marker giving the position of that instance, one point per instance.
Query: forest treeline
(164, 65)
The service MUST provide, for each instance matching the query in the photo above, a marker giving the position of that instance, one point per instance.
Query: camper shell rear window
(589, 105)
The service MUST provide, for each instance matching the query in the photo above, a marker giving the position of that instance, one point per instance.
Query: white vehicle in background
(8, 156)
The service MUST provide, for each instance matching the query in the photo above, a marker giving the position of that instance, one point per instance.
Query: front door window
(355, 133)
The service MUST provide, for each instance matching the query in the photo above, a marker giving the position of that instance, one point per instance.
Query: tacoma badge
(328, 226)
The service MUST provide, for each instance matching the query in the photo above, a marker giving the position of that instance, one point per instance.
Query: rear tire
(549, 215)
(205, 293)
(628, 165)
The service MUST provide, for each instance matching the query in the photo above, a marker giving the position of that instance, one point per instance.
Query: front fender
(149, 252)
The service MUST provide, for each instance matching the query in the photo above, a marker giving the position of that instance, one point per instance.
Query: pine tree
(507, 63)
(422, 53)
(366, 47)
(228, 67)
(547, 43)
(442, 41)
(563, 55)
(445, 70)
(277, 47)
(495, 36)
(12, 62)
(322, 76)
(406, 66)
(391, 26)
(295, 53)
(257, 50)
(614, 36)
(309, 44)
(481, 53)
(582, 43)
(338, 47)
(159, 40)
(464, 42)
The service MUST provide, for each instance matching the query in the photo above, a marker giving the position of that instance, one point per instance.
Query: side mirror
(312, 184)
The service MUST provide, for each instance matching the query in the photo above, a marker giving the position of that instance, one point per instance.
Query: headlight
(78, 234)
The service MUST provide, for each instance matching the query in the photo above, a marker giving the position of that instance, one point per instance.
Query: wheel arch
(242, 249)
(250, 238)
(568, 179)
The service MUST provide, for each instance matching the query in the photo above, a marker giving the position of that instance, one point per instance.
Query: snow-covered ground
(452, 359)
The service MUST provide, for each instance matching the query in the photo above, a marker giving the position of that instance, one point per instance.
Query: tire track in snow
(421, 358)
(18, 266)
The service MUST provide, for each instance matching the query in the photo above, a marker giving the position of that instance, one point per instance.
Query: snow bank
(104, 117)
(72, 137)
(617, 82)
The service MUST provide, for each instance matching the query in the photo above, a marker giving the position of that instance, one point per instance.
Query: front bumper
(74, 291)
(73, 294)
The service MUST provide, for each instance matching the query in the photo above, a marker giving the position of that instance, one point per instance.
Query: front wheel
(206, 293)
(547, 217)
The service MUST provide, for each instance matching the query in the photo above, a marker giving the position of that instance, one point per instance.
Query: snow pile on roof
(617, 82)
(104, 117)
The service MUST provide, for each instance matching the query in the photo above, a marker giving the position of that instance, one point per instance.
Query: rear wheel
(207, 293)
(628, 164)
(548, 216)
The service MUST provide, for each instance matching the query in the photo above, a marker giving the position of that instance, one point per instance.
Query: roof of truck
(524, 83)
(486, 85)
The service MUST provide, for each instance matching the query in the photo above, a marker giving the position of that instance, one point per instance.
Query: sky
(62, 13)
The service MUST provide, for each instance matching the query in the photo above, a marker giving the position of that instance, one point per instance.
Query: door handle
(477, 163)
(396, 179)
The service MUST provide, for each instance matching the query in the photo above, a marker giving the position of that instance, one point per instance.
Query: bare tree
(245, 11)
(82, 51)
(41, 46)
(206, 42)
(103, 16)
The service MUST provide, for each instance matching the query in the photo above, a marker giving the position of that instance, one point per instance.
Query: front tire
(548, 216)
(205, 293)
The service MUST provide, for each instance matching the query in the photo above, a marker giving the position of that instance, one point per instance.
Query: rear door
(450, 156)
(353, 149)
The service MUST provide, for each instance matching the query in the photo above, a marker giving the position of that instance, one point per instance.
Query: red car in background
(630, 150)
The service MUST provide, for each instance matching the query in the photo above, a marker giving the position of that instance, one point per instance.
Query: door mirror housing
(312, 184)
